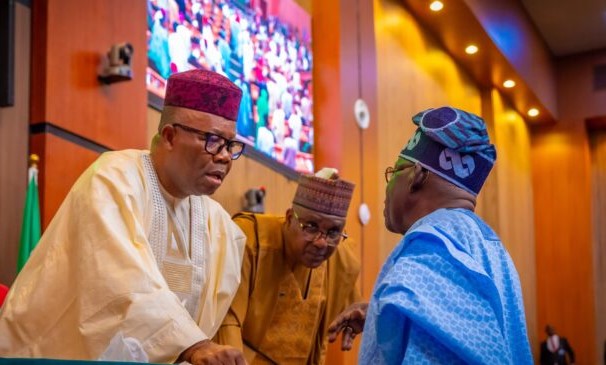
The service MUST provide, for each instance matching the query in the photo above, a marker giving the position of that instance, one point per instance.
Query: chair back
(3, 292)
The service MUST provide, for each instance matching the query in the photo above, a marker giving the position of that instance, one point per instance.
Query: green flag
(30, 228)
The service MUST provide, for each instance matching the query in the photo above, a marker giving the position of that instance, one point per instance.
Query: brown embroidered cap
(324, 193)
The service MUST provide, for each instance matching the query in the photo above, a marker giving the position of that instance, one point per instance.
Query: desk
(12, 361)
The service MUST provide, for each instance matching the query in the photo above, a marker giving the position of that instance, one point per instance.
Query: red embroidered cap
(205, 91)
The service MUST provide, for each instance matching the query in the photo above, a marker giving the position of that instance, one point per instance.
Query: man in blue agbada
(449, 292)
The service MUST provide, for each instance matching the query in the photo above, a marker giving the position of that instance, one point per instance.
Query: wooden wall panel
(576, 87)
(246, 173)
(562, 216)
(345, 69)
(13, 151)
(487, 205)
(561, 164)
(414, 74)
(515, 202)
(64, 162)
(598, 168)
(70, 43)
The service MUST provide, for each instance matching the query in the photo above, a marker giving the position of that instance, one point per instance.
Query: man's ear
(420, 175)
(167, 135)
(288, 216)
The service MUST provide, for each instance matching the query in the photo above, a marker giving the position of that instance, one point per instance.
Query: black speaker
(7, 53)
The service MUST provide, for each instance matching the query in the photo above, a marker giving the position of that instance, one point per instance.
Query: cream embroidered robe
(120, 255)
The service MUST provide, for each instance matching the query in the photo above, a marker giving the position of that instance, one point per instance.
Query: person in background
(138, 248)
(299, 273)
(555, 350)
(449, 292)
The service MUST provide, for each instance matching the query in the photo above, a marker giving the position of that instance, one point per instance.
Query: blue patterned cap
(453, 144)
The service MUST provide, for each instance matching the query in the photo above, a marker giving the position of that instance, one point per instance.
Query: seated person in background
(298, 274)
(138, 248)
(449, 292)
(555, 349)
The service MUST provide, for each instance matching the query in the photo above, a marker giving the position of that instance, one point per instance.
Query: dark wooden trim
(47, 127)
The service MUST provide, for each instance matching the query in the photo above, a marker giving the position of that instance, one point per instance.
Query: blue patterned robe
(448, 294)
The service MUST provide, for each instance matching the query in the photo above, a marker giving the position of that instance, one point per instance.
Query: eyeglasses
(214, 143)
(390, 171)
(311, 232)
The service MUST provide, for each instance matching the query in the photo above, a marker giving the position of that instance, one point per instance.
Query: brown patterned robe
(280, 316)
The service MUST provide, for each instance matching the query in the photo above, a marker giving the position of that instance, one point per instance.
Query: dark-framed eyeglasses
(391, 170)
(312, 232)
(214, 143)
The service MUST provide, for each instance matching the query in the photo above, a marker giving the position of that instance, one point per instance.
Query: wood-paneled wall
(70, 40)
(515, 201)
(415, 74)
(562, 180)
(577, 79)
(562, 216)
(345, 70)
(63, 163)
(13, 151)
(598, 169)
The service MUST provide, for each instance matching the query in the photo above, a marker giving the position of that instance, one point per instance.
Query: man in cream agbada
(138, 248)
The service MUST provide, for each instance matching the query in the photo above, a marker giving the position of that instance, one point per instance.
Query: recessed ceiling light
(509, 84)
(436, 6)
(471, 49)
(533, 112)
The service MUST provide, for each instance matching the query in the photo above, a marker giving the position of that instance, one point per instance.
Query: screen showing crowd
(263, 46)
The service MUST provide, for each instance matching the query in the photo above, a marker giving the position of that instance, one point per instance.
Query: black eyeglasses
(312, 232)
(214, 143)
(390, 171)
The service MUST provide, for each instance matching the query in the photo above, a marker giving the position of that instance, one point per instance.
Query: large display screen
(263, 46)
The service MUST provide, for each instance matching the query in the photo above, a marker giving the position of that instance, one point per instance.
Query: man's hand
(350, 322)
(209, 353)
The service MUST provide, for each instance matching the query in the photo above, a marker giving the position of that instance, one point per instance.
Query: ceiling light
(436, 6)
(508, 84)
(533, 112)
(471, 49)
